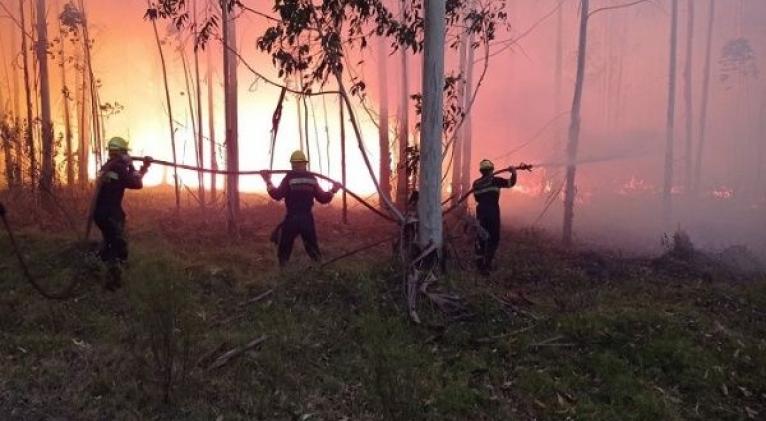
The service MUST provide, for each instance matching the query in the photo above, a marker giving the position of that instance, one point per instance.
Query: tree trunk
(67, 115)
(232, 133)
(83, 130)
(667, 209)
(688, 97)
(383, 141)
(306, 129)
(574, 126)
(211, 127)
(46, 175)
(17, 121)
(28, 134)
(7, 128)
(467, 127)
(95, 113)
(402, 181)
(200, 141)
(429, 199)
(196, 129)
(457, 145)
(171, 123)
(343, 157)
(705, 97)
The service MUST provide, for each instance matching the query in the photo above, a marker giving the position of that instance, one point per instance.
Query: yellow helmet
(486, 165)
(118, 144)
(297, 157)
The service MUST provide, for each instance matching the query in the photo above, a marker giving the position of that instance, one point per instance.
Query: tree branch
(269, 81)
(10, 16)
(619, 6)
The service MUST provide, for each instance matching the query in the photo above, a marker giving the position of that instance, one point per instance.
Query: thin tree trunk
(705, 97)
(429, 199)
(306, 129)
(170, 114)
(46, 123)
(667, 209)
(316, 136)
(467, 127)
(232, 131)
(200, 141)
(84, 128)
(67, 115)
(298, 100)
(688, 97)
(7, 128)
(574, 126)
(196, 129)
(760, 142)
(343, 157)
(327, 134)
(211, 127)
(95, 113)
(28, 134)
(457, 145)
(383, 140)
(404, 125)
(17, 121)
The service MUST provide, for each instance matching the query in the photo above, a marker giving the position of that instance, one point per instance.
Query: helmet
(486, 165)
(298, 156)
(118, 144)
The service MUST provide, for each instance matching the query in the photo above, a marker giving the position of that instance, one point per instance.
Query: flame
(722, 193)
(635, 186)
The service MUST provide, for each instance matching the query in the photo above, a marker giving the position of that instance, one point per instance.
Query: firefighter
(115, 176)
(299, 189)
(486, 192)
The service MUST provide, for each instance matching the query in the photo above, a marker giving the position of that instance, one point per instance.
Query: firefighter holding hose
(299, 189)
(115, 176)
(486, 192)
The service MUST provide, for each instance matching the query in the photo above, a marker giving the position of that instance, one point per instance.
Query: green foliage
(644, 345)
(166, 319)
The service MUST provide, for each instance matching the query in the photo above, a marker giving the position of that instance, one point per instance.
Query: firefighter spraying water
(486, 192)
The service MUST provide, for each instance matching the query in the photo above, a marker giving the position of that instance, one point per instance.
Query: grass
(555, 334)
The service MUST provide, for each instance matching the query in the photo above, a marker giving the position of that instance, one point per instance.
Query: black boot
(113, 277)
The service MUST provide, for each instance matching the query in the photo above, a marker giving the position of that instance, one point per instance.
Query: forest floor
(551, 334)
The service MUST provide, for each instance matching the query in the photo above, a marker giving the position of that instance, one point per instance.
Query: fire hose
(463, 198)
(64, 294)
(466, 195)
(264, 172)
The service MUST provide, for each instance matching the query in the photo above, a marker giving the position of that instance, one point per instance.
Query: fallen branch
(257, 298)
(236, 352)
(358, 250)
(552, 342)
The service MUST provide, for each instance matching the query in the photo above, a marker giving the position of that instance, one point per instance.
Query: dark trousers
(486, 246)
(114, 248)
(293, 226)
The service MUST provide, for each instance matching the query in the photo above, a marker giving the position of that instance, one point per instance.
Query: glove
(147, 163)
(335, 187)
(266, 177)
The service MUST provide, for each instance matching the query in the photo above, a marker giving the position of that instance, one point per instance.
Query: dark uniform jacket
(487, 192)
(118, 174)
(300, 189)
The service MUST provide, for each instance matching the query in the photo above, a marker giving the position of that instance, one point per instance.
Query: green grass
(604, 339)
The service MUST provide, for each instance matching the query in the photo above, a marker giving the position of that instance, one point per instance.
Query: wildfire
(635, 186)
(722, 193)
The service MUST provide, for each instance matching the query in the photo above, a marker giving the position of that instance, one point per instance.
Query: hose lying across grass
(64, 294)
